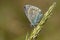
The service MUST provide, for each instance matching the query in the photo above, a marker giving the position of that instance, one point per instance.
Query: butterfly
(33, 14)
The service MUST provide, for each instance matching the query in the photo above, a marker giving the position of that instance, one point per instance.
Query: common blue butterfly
(33, 14)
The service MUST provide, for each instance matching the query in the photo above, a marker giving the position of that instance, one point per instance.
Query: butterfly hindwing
(33, 14)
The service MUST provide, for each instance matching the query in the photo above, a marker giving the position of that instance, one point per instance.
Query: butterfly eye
(24, 8)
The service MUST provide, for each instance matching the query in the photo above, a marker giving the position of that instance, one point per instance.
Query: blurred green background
(14, 25)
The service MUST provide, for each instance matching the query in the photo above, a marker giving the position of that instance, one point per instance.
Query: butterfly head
(26, 7)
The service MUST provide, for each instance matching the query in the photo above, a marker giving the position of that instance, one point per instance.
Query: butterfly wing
(33, 14)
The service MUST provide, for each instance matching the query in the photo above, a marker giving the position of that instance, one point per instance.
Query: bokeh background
(14, 25)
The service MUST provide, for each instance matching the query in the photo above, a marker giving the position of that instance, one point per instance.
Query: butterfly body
(33, 14)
